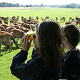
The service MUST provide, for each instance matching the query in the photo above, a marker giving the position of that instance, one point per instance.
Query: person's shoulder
(76, 55)
(67, 55)
(73, 53)
(70, 55)
(36, 60)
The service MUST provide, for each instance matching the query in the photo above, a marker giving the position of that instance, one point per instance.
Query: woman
(46, 55)
(71, 60)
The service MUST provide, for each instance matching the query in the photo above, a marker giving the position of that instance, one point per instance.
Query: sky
(44, 2)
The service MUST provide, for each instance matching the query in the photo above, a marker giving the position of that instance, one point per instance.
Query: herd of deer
(17, 28)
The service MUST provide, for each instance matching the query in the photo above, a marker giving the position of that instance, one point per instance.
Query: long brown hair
(50, 39)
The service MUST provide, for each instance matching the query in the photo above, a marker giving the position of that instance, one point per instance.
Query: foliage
(72, 5)
(4, 4)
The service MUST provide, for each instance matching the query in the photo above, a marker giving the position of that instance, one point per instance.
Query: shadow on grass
(1, 55)
(4, 51)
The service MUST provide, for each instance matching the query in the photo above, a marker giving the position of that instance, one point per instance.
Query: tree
(71, 6)
(30, 5)
(4, 4)
(41, 5)
(17, 5)
(27, 5)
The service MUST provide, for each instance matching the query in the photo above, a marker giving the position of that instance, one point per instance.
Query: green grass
(6, 56)
(6, 60)
(41, 12)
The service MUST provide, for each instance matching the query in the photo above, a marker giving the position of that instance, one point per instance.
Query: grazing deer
(6, 38)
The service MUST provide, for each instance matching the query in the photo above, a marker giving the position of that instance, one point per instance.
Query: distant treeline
(4, 4)
(72, 5)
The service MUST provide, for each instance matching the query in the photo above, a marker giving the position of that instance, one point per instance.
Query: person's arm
(18, 67)
(23, 70)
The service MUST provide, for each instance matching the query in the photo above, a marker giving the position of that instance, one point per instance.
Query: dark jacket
(71, 65)
(33, 69)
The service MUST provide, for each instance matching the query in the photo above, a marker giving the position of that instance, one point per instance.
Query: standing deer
(6, 38)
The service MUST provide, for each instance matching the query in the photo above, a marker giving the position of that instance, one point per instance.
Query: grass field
(41, 12)
(6, 56)
(6, 59)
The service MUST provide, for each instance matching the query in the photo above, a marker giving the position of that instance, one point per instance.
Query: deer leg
(15, 42)
(6, 45)
(10, 45)
(0, 47)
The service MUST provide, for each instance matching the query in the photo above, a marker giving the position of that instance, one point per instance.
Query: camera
(32, 35)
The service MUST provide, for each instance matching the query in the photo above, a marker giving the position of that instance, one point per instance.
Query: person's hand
(25, 42)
